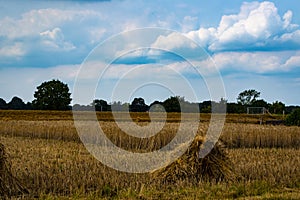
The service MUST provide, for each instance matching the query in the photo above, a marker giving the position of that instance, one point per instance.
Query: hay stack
(216, 166)
(9, 185)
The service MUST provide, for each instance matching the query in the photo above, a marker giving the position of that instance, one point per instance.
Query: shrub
(293, 119)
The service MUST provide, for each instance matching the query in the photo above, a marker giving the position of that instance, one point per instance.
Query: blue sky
(253, 44)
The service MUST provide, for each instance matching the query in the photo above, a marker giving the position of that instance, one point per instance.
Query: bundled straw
(216, 166)
(9, 185)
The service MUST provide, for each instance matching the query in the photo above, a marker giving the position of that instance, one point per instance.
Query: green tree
(52, 95)
(172, 104)
(248, 97)
(101, 105)
(16, 103)
(293, 119)
(156, 106)
(260, 103)
(235, 108)
(205, 106)
(3, 104)
(277, 107)
(138, 105)
(119, 106)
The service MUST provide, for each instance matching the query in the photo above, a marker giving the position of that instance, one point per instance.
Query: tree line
(55, 95)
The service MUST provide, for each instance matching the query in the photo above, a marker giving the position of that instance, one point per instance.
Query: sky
(121, 49)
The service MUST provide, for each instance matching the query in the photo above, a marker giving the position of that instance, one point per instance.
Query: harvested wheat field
(9, 185)
(46, 159)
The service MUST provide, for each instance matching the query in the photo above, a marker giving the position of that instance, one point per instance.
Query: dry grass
(62, 168)
(9, 185)
(34, 115)
(59, 130)
(48, 158)
(66, 168)
(234, 135)
(278, 166)
(260, 136)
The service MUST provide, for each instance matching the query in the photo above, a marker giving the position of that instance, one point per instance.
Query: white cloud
(15, 50)
(54, 39)
(37, 21)
(258, 62)
(287, 17)
(238, 39)
(253, 62)
(55, 34)
(93, 70)
(96, 33)
(173, 41)
(188, 23)
(41, 34)
(256, 25)
(136, 75)
(293, 61)
(292, 37)
(203, 36)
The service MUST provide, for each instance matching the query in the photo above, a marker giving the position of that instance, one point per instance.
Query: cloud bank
(258, 26)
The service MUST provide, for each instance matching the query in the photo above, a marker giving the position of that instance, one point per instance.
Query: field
(48, 158)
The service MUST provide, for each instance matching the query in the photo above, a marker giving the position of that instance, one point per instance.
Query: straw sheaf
(216, 166)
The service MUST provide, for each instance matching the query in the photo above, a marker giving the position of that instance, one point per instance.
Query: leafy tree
(236, 108)
(52, 95)
(172, 104)
(220, 107)
(16, 103)
(101, 105)
(3, 104)
(119, 106)
(248, 97)
(290, 109)
(156, 106)
(188, 107)
(293, 119)
(78, 107)
(28, 106)
(138, 105)
(205, 106)
(260, 103)
(156, 103)
(277, 107)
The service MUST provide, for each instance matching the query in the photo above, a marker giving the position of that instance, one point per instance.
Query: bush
(293, 119)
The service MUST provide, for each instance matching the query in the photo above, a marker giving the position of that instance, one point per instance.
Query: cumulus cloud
(203, 36)
(291, 37)
(256, 26)
(43, 34)
(177, 44)
(173, 41)
(256, 40)
(54, 39)
(261, 62)
(257, 62)
(36, 21)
